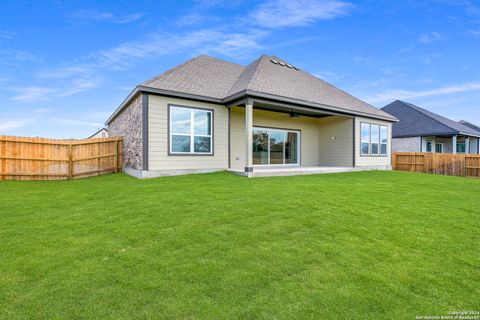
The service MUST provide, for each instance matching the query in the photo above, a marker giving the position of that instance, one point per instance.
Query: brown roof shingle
(217, 79)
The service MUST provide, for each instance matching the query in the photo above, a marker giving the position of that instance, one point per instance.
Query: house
(102, 133)
(420, 130)
(268, 117)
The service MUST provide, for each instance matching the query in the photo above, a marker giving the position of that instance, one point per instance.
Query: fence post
(116, 156)
(70, 161)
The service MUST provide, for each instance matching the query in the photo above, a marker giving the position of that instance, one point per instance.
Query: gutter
(438, 134)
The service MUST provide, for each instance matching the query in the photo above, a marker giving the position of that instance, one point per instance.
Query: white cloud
(30, 94)
(94, 15)
(9, 57)
(7, 35)
(10, 125)
(432, 37)
(128, 19)
(74, 86)
(390, 95)
(475, 33)
(62, 121)
(236, 41)
(66, 72)
(294, 13)
(77, 86)
(164, 43)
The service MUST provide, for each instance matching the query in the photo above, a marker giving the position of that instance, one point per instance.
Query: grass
(368, 245)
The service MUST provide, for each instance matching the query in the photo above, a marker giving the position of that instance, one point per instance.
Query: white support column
(454, 144)
(248, 137)
(467, 145)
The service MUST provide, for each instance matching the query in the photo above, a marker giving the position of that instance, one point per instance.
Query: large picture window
(190, 130)
(373, 140)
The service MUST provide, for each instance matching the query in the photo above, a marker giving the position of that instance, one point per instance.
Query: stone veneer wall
(406, 144)
(128, 124)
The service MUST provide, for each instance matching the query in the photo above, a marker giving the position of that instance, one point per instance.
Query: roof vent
(284, 64)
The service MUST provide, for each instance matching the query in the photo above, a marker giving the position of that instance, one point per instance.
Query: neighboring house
(420, 130)
(102, 133)
(470, 125)
(201, 115)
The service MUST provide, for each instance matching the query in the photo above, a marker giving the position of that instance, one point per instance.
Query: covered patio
(268, 137)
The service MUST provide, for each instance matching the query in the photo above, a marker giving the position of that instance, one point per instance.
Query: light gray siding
(160, 160)
(335, 136)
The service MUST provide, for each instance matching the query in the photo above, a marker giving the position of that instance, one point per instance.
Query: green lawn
(367, 245)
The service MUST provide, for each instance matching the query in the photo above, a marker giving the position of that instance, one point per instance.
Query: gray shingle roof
(470, 125)
(203, 76)
(416, 121)
(210, 77)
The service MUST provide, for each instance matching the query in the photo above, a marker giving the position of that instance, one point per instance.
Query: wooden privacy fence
(24, 158)
(460, 165)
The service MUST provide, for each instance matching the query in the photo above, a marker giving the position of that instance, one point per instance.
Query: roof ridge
(252, 68)
(256, 65)
(145, 83)
(171, 70)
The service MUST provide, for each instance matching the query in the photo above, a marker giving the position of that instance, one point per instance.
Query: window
(190, 130)
(383, 140)
(439, 147)
(374, 140)
(461, 147)
(365, 145)
(429, 146)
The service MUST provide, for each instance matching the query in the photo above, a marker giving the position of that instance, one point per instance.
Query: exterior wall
(160, 160)
(406, 144)
(447, 143)
(128, 124)
(474, 146)
(335, 138)
(308, 127)
(372, 160)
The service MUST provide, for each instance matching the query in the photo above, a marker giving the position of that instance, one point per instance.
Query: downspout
(229, 141)
(354, 160)
(145, 136)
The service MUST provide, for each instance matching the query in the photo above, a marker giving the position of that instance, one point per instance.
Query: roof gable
(416, 121)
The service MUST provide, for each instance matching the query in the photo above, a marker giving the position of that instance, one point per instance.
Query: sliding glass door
(275, 147)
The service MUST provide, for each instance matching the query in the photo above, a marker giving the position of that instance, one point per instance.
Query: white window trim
(441, 144)
(431, 146)
(192, 134)
(285, 131)
(370, 154)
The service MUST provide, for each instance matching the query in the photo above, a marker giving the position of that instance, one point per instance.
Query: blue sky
(66, 66)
